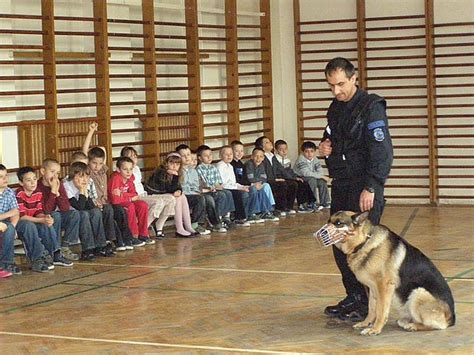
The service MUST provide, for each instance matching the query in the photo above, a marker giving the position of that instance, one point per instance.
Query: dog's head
(349, 225)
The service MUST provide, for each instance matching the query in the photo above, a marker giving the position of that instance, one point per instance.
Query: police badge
(379, 135)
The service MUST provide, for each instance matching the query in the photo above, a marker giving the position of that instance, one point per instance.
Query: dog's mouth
(329, 234)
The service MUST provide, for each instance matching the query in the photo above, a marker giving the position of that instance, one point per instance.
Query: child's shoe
(220, 228)
(13, 268)
(201, 230)
(269, 216)
(304, 209)
(129, 245)
(88, 255)
(255, 219)
(120, 246)
(60, 260)
(4, 274)
(137, 242)
(68, 254)
(48, 260)
(147, 240)
(106, 251)
(241, 223)
(318, 208)
(39, 265)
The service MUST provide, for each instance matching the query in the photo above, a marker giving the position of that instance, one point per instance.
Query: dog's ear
(359, 218)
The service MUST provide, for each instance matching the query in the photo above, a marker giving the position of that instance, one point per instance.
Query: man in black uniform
(358, 151)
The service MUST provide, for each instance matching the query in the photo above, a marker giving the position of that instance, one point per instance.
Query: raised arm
(87, 143)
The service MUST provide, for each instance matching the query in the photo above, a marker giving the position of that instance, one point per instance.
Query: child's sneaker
(88, 255)
(304, 209)
(68, 254)
(280, 213)
(104, 251)
(4, 274)
(241, 223)
(255, 219)
(269, 216)
(291, 211)
(220, 228)
(119, 246)
(60, 260)
(201, 230)
(13, 268)
(48, 260)
(147, 240)
(137, 242)
(129, 245)
(318, 208)
(39, 265)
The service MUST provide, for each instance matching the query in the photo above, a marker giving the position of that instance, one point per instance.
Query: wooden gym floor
(260, 289)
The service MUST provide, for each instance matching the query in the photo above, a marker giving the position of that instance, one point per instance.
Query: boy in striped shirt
(35, 227)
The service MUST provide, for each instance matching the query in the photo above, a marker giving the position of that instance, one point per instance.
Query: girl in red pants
(121, 191)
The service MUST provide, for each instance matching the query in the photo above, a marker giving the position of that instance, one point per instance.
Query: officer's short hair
(342, 64)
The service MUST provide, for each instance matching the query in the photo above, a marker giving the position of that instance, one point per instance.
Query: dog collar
(360, 246)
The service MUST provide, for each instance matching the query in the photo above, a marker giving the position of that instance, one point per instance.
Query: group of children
(107, 214)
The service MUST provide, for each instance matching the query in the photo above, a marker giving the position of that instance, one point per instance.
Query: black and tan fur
(389, 266)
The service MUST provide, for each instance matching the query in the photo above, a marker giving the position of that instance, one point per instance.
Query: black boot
(356, 312)
(334, 311)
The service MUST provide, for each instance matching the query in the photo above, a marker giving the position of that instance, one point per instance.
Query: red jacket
(127, 189)
(51, 201)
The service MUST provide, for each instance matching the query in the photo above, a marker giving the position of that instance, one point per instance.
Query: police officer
(358, 151)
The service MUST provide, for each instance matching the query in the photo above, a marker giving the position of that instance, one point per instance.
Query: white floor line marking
(130, 342)
(238, 270)
(255, 271)
(216, 269)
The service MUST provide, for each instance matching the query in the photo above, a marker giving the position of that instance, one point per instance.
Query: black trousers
(123, 233)
(284, 193)
(202, 206)
(304, 194)
(240, 200)
(345, 196)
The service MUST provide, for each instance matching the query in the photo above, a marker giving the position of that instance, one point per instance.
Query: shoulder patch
(379, 135)
(376, 124)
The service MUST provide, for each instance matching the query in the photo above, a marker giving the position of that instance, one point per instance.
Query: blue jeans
(28, 233)
(260, 202)
(224, 202)
(47, 236)
(69, 221)
(92, 229)
(7, 253)
(268, 192)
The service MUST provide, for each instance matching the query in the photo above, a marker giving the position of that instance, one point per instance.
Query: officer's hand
(366, 201)
(325, 148)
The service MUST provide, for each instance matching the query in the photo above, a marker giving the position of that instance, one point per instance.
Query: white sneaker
(241, 223)
(291, 212)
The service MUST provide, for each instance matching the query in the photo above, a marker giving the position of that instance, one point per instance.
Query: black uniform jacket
(361, 142)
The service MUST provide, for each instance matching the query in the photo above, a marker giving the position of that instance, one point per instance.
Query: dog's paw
(370, 331)
(363, 324)
(403, 322)
(410, 327)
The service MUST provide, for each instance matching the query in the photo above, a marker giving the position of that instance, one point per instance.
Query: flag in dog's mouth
(328, 235)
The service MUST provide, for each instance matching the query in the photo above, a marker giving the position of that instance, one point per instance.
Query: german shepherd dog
(388, 265)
